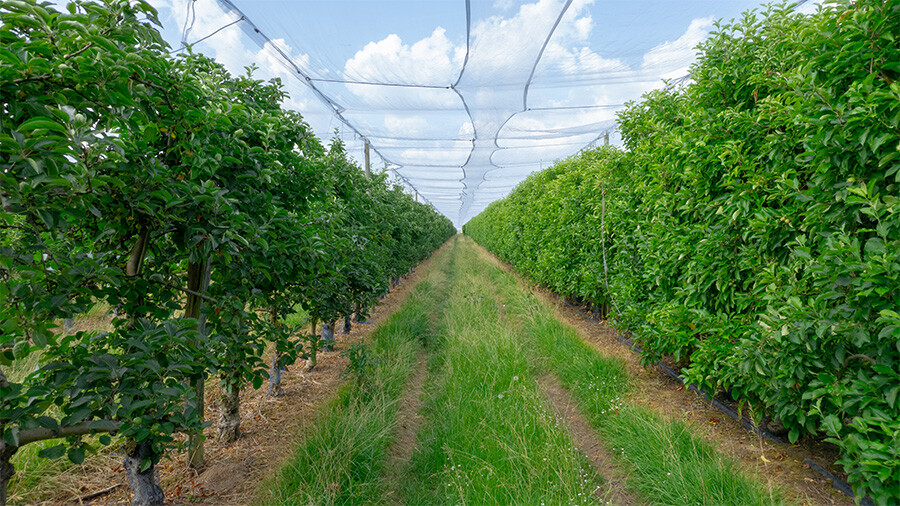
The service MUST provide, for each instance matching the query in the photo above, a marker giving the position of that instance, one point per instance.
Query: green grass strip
(665, 462)
(488, 438)
(341, 460)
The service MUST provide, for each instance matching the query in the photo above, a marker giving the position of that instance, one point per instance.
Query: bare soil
(409, 420)
(270, 429)
(614, 489)
(780, 466)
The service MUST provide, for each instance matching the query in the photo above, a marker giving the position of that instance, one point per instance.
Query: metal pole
(368, 163)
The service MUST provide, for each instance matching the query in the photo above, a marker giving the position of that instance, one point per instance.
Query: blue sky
(469, 136)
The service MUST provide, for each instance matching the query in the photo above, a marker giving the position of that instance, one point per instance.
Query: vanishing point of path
(475, 392)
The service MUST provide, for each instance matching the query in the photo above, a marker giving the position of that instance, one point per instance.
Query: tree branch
(79, 429)
(76, 53)
(860, 356)
(31, 78)
(207, 298)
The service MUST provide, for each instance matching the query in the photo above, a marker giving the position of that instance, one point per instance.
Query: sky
(459, 111)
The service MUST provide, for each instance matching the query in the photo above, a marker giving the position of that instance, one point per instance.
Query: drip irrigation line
(836, 482)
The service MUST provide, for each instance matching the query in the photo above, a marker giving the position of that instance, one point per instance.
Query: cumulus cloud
(271, 61)
(671, 58)
(434, 60)
(405, 124)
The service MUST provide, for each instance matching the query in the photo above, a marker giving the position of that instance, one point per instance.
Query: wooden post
(368, 163)
(606, 139)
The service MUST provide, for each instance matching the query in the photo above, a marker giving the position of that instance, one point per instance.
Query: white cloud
(676, 56)
(433, 60)
(405, 125)
(809, 7)
(272, 62)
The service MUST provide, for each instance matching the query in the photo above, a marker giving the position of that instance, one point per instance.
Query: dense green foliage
(752, 228)
(127, 176)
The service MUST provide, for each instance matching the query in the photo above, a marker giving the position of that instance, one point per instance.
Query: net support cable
(335, 107)
(471, 181)
(468, 199)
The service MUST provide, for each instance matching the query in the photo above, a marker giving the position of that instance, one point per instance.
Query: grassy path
(515, 409)
(408, 423)
(341, 461)
(615, 488)
(488, 437)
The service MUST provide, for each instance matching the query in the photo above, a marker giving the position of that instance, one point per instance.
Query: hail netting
(460, 99)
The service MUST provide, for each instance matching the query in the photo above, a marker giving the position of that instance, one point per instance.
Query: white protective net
(461, 99)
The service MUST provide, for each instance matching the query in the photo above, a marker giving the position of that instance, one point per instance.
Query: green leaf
(76, 454)
(41, 122)
(12, 436)
(887, 313)
(832, 425)
(54, 452)
(794, 434)
(891, 396)
(48, 422)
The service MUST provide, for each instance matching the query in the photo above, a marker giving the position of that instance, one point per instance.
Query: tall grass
(489, 439)
(666, 463)
(297, 318)
(340, 461)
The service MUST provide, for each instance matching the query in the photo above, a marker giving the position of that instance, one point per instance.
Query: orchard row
(192, 203)
(751, 230)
